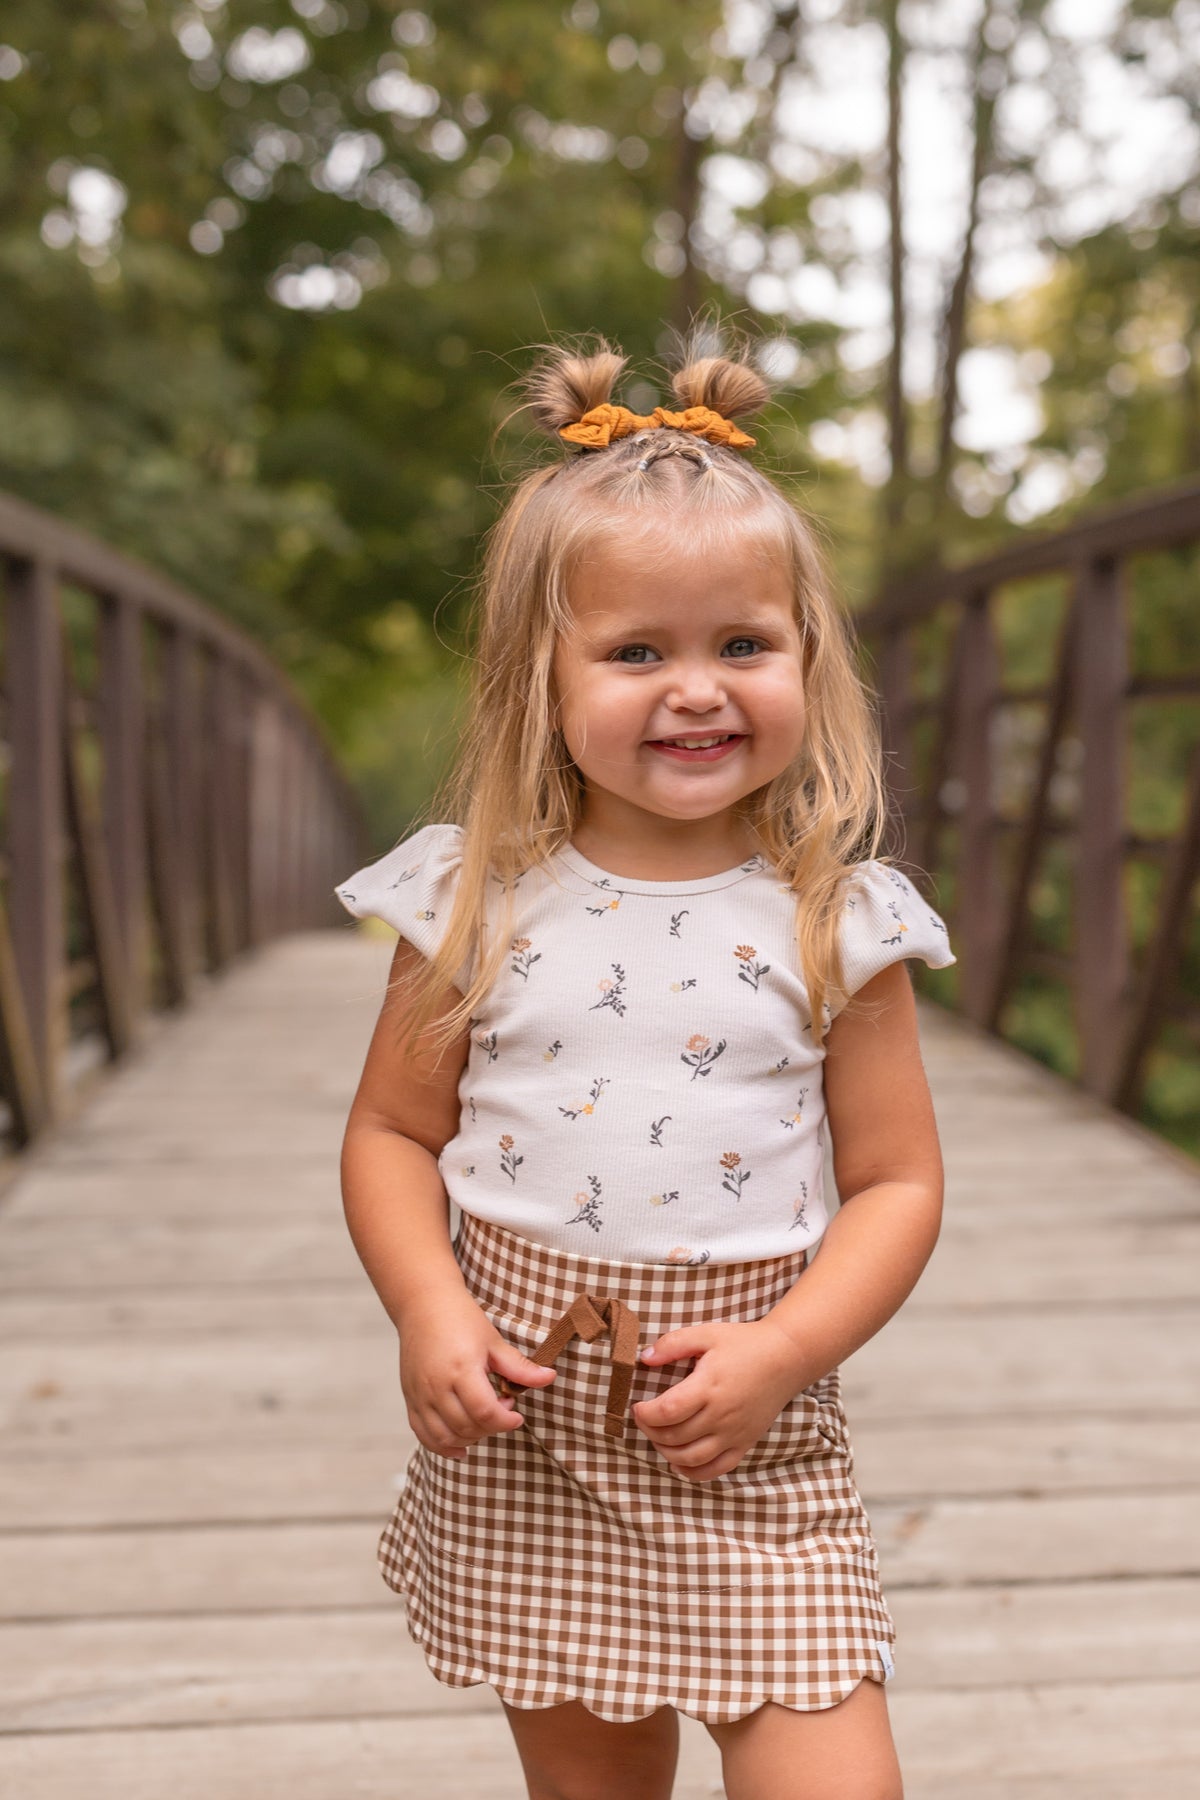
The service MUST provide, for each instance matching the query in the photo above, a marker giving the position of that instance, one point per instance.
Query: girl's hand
(446, 1351)
(744, 1377)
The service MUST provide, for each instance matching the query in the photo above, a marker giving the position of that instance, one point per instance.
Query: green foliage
(259, 324)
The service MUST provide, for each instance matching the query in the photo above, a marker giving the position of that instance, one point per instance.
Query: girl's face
(681, 684)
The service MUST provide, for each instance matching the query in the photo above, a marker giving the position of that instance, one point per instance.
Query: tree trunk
(986, 84)
(690, 154)
(897, 409)
(1189, 394)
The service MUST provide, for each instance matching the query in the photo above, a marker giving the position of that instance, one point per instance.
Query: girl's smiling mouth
(695, 747)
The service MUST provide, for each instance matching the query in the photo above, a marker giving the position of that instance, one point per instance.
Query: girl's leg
(843, 1753)
(567, 1753)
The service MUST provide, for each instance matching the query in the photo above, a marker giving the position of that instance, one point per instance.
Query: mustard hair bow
(602, 424)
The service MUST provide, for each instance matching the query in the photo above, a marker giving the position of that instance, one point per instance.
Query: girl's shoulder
(430, 853)
(411, 887)
(884, 919)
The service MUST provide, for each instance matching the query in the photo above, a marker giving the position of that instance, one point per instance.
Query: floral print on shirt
(735, 1176)
(791, 1123)
(523, 957)
(588, 1106)
(701, 1054)
(588, 1205)
(751, 971)
(609, 906)
(612, 991)
(659, 1140)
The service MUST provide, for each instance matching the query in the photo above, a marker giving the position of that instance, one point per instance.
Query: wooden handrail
(1160, 521)
(1121, 993)
(184, 808)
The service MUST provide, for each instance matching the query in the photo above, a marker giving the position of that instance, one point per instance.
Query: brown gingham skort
(557, 1562)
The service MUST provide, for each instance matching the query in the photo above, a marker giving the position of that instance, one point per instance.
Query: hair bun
(731, 386)
(566, 384)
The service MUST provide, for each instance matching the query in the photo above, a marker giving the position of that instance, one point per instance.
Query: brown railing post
(933, 809)
(978, 896)
(241, 703)
(121, 703)
(162, 835)
(264, 817)
(895, 683)
(1153, 999)
(37, 895)
(215, 778)
(214, 798)
(1118, 1017)
(1102, 938)
(181, 733)
(93, 873)
(1032, 834)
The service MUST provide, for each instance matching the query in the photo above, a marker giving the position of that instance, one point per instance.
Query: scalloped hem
(508, 1689)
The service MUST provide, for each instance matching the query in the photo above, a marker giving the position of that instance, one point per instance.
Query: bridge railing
(998, 778)
(167, 801)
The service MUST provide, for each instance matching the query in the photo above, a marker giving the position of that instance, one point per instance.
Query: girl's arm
(404, 1113)
(888, 1167)
(887, 1163)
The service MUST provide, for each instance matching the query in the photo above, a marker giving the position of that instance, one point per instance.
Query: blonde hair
(516, 791)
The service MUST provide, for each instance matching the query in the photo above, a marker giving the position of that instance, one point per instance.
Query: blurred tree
(268, 268)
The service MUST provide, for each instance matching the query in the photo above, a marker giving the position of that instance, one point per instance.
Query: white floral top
(642, 1081)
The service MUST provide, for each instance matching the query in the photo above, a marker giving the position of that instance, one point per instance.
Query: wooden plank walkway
(201, 1430)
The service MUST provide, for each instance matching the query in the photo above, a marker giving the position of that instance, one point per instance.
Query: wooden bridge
(201, 1428)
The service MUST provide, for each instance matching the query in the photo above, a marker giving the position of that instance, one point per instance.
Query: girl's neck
(651, 848)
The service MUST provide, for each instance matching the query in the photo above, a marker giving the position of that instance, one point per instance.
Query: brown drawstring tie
(587, 1317)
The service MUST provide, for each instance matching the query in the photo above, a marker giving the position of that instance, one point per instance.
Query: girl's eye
(639, 655)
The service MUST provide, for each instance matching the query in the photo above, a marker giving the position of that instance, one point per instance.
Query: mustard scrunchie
(602, 424)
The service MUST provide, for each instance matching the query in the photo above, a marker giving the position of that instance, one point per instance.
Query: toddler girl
(652, 962)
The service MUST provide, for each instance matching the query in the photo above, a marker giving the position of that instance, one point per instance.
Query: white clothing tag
(885, 1657)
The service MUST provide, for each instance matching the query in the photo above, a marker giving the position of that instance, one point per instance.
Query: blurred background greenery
(268, 268)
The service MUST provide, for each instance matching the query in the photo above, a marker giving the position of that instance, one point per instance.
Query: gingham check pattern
(557, 1563)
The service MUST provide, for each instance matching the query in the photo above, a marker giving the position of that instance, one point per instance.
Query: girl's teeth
(694, 743)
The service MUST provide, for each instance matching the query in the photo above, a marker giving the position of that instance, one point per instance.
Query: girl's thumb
(508, 1361)
(674, 1346)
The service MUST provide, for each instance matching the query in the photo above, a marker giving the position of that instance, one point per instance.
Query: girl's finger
(673, 1346)
(720, 1465)
(483, 1407)
(696, 1455)
(680, 1405)
(441, 1424)
(678, 1436)
(456, 1418)
(505, 1359)
(434, 1436)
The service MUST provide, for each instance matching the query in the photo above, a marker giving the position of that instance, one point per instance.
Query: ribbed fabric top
(642, 1081)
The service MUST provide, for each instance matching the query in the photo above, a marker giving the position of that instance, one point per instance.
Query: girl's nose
(698, 687)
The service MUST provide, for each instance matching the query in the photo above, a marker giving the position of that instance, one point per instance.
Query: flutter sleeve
(884, 920)
(412, 889)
